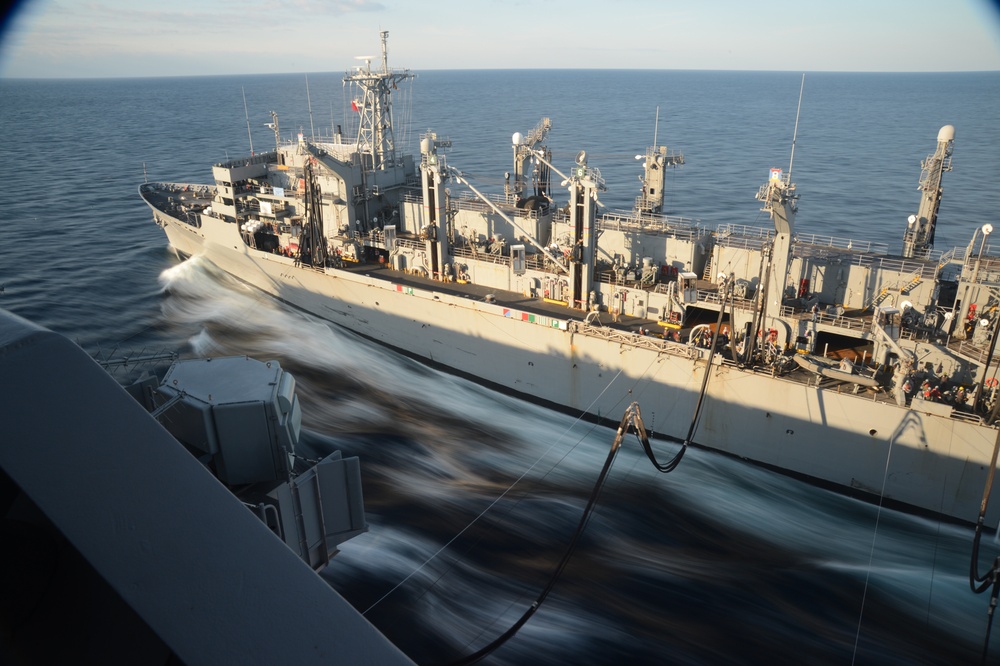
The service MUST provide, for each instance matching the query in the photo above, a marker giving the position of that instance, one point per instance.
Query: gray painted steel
(201, 570)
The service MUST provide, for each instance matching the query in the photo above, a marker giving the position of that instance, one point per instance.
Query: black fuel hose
(631, 417)
(591, 503)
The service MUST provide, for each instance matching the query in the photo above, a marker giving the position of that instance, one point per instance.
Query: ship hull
(929, 461)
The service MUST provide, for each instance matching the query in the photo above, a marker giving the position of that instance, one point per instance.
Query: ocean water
(472, 496)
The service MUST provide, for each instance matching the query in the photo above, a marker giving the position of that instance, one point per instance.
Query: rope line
(498, 498)
(518, 480)
(871, 554)
(584, 519)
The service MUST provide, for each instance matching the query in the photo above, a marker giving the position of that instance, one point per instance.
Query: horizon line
(504, 69)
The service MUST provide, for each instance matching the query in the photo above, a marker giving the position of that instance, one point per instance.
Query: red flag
(354, 105)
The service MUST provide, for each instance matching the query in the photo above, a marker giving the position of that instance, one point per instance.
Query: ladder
(707, 273)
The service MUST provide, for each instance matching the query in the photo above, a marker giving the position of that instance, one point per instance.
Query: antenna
(312, 131)
(249, 135)
(656, 126)
(277, 132)
(385, 52)
(795, 133)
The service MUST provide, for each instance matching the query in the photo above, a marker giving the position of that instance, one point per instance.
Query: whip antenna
(795, 133)
(245, 111)
(312, 130)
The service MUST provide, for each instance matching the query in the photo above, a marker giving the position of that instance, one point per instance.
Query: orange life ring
(991, 382)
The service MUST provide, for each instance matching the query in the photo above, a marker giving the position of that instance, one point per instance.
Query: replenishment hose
(631, 418)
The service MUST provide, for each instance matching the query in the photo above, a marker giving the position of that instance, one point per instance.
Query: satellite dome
(946, 133)
(517, 138)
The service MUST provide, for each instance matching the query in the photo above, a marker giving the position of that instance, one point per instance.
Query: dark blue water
(472, 496)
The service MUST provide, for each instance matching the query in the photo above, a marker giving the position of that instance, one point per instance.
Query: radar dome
(517, 138)
(946, 133)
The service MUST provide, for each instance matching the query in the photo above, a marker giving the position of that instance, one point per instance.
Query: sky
(123, 38)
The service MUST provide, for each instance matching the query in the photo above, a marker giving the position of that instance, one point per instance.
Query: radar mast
(374, 104)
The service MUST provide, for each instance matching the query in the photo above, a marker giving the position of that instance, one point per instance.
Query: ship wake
(350, 385)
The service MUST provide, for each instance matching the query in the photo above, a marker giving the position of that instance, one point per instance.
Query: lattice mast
(376, 141)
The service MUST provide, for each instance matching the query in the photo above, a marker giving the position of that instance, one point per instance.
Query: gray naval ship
(859, 369)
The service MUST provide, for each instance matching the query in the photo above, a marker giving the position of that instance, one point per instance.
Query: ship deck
(624, 324)
(507, 298)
